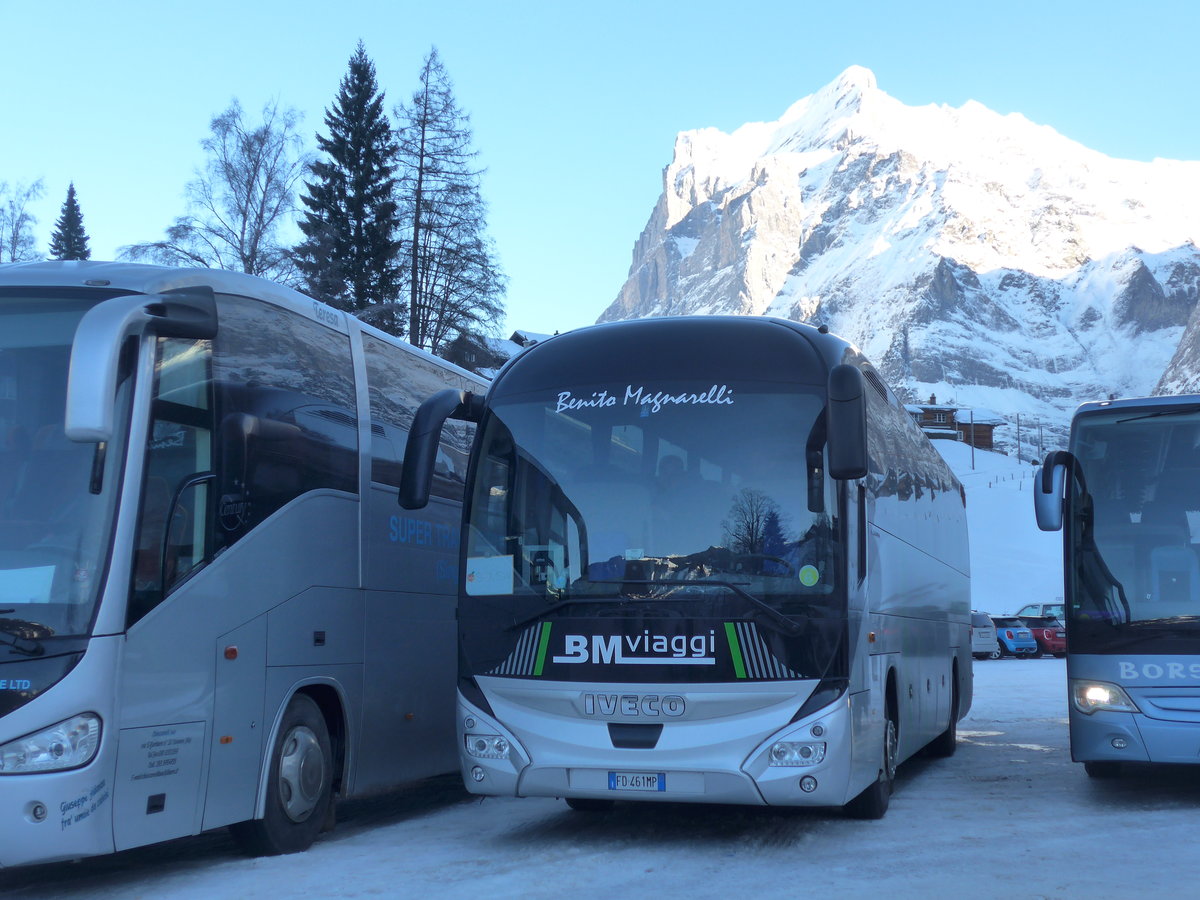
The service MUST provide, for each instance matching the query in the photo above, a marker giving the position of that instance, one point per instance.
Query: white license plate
(637, 781)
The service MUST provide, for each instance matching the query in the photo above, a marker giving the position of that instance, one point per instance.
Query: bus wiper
(23, 636)
(1173, 411)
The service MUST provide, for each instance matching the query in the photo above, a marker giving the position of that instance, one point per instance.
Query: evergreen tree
(69, 240)
(350, 255)
(455, 284)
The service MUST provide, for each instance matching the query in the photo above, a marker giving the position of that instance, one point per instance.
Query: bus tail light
(67, 745)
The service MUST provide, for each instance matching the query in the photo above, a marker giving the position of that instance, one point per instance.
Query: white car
(1049, 610)
(983, 637)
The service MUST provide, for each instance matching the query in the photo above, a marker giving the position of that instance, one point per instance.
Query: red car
(1049, 633)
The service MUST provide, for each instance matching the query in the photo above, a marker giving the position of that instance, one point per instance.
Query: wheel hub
(301, 773)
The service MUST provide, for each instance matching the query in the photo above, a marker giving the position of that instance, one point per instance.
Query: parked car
(1049, 633)
(1015, 638)
(983, 637)
(1054, 610)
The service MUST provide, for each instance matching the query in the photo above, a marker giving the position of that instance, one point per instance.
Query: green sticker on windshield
(809, 576)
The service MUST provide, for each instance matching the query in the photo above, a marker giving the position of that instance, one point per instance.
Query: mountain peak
(851, 85)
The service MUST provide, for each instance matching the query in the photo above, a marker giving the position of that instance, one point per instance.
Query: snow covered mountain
(980, 257)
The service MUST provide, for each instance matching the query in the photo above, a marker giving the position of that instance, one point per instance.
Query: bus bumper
(1130, 737)
(578, 760)
(56, 816)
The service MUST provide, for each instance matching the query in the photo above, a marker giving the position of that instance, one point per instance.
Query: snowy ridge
(981, 257)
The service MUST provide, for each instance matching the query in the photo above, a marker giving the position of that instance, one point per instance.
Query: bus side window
(393, 404)
(285, 393)
(172, 534)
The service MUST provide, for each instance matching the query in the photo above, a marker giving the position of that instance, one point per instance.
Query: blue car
(1015, 638)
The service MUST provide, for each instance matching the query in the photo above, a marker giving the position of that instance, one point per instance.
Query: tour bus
(212, 611)
(705, 559)
(1127, 497)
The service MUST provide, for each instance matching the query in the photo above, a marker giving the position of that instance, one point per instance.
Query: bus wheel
(873, 802)
(589, 804)
(1102, 769)
(299, 785)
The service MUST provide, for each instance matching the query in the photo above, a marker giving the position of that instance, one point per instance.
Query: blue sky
(574, 107)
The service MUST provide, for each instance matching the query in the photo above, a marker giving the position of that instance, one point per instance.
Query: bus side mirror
(847, 423)
(420, 452)
(1049, 491)
(96, 350)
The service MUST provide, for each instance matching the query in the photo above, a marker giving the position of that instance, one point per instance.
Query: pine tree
(455, 284)
(69, 240)
(349, 257)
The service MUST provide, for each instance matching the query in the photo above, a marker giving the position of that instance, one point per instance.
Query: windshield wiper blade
(24, 636)
(26, 646)
(1173, 411)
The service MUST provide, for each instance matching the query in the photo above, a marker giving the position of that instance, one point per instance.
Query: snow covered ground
(1009, 815)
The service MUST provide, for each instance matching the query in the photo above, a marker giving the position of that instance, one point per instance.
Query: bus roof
(1096, 406)
(140, 278)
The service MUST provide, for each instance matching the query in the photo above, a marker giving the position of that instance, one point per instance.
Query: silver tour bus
(704, 559)
(1126, 495)
(212, 611)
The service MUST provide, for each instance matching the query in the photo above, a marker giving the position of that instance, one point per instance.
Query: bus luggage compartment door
(238, 728)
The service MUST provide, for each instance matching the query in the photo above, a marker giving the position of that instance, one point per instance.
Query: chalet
(487, 357)
(945, 422)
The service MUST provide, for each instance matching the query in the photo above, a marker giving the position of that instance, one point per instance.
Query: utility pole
(1018, 438)
(972, 440)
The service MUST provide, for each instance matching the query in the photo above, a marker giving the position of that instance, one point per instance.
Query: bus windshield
(713, 495)
(1135, 535)
(54, 532)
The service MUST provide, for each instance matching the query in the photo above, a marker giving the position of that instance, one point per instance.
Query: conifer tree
(455, 283)
(69, 240)
(350, 255)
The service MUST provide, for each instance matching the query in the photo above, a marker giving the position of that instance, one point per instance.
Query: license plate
(637, 781)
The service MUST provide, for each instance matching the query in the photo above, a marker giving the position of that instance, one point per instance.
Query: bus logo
(643, 649)
(633, 705)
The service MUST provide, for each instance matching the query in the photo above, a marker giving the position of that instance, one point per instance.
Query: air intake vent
(876, 382)
(634, 737)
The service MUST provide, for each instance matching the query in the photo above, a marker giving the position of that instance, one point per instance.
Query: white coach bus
(212, 611)
(704, 559)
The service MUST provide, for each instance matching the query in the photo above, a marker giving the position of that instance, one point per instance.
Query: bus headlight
(486, 746)
(796, 753)
(1096, 696)
(67, 745)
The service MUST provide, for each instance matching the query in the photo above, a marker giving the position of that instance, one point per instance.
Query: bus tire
(299, 785)
(946, 743)
(589, 804)
(873, 802)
